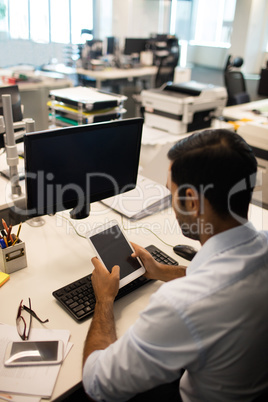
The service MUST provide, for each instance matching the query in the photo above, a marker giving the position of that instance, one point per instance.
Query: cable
(78, 234)
(143, 227)
(122, 221)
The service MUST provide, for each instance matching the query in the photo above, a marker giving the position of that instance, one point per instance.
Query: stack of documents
(81, 105)
(146, 199)
(32, 381)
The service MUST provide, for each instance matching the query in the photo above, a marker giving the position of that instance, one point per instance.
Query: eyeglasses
(21, 323)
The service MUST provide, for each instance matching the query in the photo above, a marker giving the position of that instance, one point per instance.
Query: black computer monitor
(75, 166)
(134, 45)
(110, 44)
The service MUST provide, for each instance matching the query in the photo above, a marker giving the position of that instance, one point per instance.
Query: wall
(209, 56)
(136, 18)
(18, 51)
(250, 34)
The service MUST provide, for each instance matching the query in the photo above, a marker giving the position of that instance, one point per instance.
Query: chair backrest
(13, 90)
(166, 69)
(236, 88)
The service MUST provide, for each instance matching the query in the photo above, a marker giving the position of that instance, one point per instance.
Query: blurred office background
(37, 31)
(41, 32)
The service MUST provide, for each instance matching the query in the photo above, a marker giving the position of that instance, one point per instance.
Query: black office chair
(235, 82)
(233, 62)
(236, 88)
(166, 69)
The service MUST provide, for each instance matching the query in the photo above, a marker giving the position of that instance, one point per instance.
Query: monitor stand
(80, 213)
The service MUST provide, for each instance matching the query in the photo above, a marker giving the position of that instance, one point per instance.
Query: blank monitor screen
(75, 166)
(134, 45)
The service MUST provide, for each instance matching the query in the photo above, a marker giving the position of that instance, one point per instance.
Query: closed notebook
(146, 199)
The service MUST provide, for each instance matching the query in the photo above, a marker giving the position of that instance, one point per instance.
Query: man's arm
(155, 270)
(102, 329)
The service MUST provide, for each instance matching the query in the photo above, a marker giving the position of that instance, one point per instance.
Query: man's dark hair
(218, 160)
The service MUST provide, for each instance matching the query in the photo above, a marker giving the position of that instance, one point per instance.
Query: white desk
(109, 73)
(155, 146)
(245, 111)
(57, 256)
(119, 73)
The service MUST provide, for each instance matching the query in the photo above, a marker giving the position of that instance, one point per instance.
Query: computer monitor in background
(134, 45)
(75, 166)
(109, 45)
(95, 48)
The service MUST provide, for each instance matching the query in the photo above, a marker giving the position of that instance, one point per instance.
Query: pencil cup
(13, 258)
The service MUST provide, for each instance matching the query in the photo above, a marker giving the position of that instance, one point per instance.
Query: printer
(256, 135)
(182, 107)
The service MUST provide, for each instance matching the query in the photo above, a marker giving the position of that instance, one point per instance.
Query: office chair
(236, 88)
(236, 62)
(166, 69)
(235, 82)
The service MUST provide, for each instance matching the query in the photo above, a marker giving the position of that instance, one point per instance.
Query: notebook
(146, 199)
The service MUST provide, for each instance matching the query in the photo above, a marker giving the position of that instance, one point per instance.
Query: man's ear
(192, 201)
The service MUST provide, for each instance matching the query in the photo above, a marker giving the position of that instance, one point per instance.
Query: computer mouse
(185, 251)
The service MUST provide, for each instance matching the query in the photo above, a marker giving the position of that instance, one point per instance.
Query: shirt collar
(220, 243)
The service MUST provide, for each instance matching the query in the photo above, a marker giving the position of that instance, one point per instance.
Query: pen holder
(13, 258)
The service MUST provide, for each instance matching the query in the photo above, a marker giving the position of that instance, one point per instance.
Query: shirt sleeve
(149, 354)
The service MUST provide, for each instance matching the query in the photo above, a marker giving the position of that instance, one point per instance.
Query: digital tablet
(29, 353)
(112, 248)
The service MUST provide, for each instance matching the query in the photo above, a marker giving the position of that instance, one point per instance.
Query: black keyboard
(78, 297)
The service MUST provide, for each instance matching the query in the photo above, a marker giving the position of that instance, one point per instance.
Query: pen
(18, 232)
(6, 397)
(3, 233)
(5, 240)
(2, 243)
(17, 235)
(9, 238)
(5, 225)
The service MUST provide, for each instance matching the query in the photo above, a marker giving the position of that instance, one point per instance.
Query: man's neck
(218, 225)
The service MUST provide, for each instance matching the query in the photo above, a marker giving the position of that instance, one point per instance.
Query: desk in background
(114, 74)
(34, 93)
(247, 111)
(251, 122)
(107, 74)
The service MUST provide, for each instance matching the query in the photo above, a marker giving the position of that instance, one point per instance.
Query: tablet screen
(115, 250)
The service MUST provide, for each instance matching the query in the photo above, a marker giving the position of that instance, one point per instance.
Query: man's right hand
(156, 270)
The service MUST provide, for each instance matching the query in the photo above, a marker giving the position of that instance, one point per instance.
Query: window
(205, 22)
(81, 18)
(214, 20)
(60, 21)
(19, 19)
(46, 21)
(3, 16)
(39, 21)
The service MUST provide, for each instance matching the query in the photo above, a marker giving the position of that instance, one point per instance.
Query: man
(213, 322)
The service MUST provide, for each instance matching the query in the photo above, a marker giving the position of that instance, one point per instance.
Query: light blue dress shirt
(213, 323)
